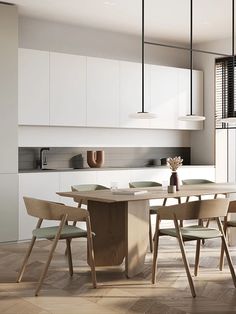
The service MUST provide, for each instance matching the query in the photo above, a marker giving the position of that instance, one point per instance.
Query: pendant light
(143, 114)
(191, 117)
(233, 118)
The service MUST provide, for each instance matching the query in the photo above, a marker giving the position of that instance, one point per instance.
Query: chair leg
(231, 267)
(150, 234)
(181, 221)
(28, 253)
(156, 242)
(221, 266)
(74, 224)
(22, 270)
(91, 252)
(55, 241)
(69, 255)
(186, 264)
(197, 257)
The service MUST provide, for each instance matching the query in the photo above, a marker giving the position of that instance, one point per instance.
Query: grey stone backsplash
(60, 157)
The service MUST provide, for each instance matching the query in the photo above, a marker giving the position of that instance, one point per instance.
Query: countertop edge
(108, 169)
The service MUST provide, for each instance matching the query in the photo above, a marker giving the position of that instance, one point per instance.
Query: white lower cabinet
(8, 208)
(45, 185)
(37, 185)
(121, 177)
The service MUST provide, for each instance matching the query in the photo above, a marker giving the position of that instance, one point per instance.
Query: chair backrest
(143, 184)
(232, 207)
(195, 210)
(196, 181)
(88, 187)
(85, 188)
(53, 211)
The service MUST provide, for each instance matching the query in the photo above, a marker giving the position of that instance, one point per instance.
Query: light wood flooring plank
(115, 293)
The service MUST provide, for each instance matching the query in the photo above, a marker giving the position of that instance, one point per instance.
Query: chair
(199, 210)
(226, 224)
(84, 188)
(153, 209)
(199, 181)
(56, 211)
(196, 181)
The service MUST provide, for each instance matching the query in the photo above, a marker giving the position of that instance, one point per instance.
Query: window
(225, 106)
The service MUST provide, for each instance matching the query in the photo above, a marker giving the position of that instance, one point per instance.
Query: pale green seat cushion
(67, 232)
(193, 232)
(231, 223)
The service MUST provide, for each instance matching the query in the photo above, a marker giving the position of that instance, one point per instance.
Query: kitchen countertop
(107, 169)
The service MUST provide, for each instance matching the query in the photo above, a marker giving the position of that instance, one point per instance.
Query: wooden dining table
(121, 222)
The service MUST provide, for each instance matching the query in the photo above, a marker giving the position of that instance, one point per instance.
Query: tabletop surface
(153, 193)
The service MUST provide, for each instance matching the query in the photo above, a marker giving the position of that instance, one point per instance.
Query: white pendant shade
(228, 120)
(192, 118)
(143, 115)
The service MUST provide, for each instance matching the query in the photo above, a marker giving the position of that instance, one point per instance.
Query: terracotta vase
(95, 159)
(174, 180)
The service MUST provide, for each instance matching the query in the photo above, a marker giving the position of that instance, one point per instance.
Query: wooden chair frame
(226, 224)
(199, 210)
(143, 184)
(55, 211)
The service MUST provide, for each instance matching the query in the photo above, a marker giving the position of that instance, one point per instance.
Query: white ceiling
(164, 19)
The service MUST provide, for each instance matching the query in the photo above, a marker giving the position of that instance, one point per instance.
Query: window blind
(225, 95)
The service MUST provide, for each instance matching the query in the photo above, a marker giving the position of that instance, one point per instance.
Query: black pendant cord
(233, 50)
(143, 56)
(191, 57)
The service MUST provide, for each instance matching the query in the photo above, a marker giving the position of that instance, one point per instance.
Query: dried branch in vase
(174, 163)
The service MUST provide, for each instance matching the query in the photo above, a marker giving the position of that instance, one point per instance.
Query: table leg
(122, 231)
(108, 224)
(137, 231)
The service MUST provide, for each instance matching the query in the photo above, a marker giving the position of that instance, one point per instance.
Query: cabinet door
(164, 97)
(131, 94)
(38, 185)
(67, 89)
(33, 78)
(9, 207)
(184, 98)
(102, 92)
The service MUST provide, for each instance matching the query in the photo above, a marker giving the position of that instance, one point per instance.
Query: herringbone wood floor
(115, 294)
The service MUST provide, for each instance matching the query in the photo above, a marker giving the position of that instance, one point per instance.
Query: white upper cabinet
(164, 97)
(102, 92)
(184, 98)
(67, 89)
(70, 90)
(170, 97)
(33, 94)
(131, 94)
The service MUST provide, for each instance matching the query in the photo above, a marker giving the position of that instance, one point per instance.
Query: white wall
(203, 141)
(105, 137)
(45, 35)
(8, 123)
